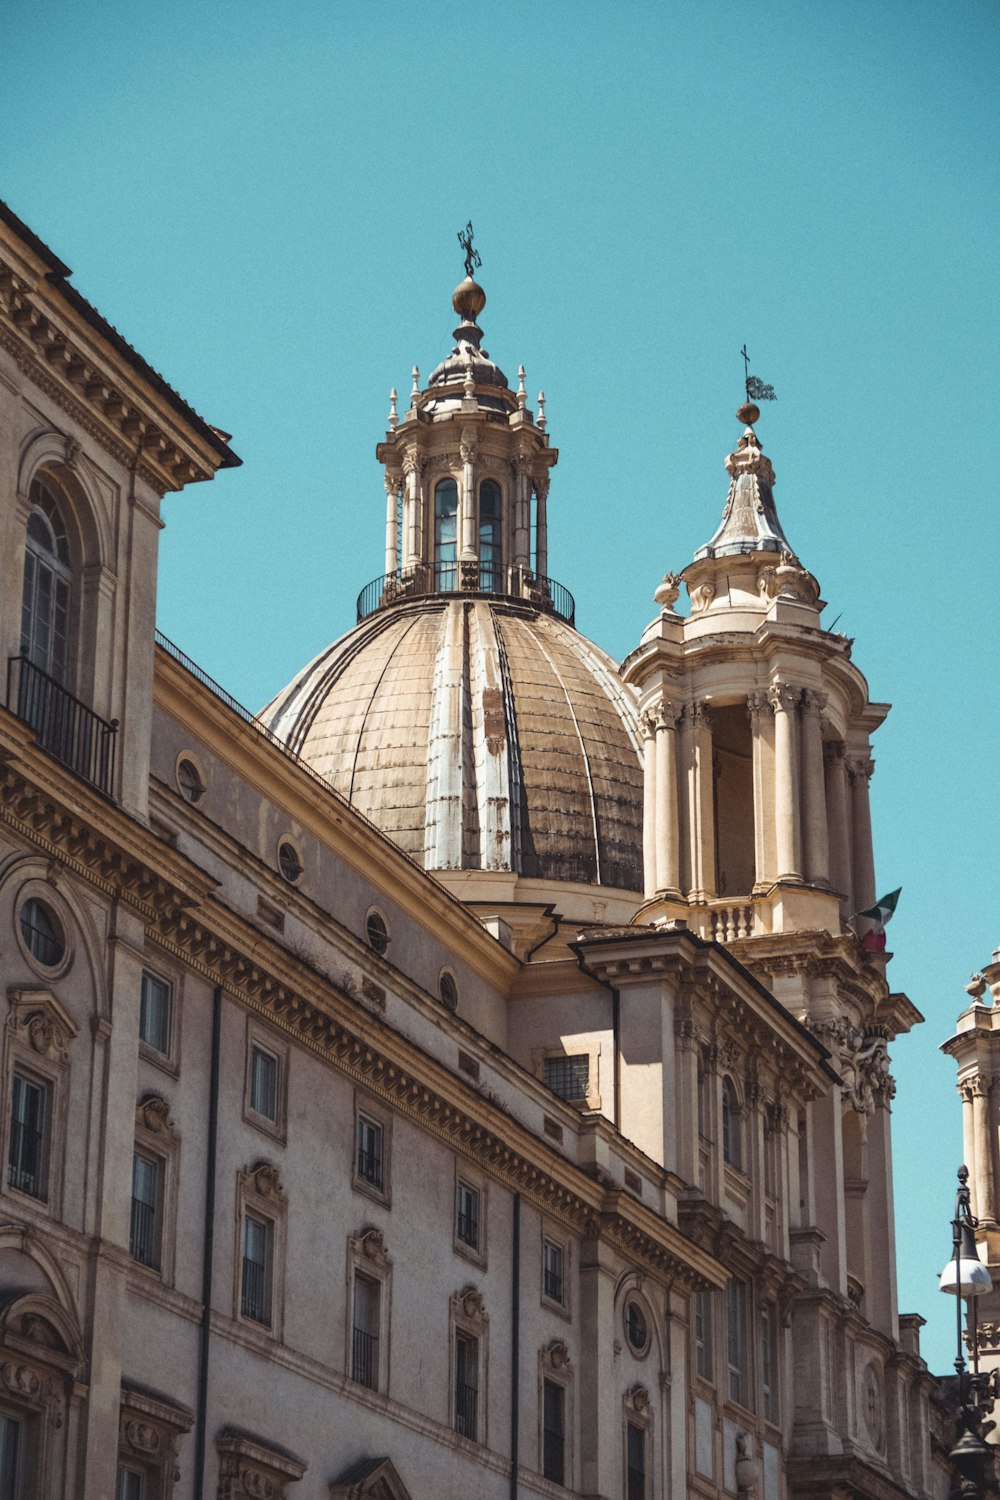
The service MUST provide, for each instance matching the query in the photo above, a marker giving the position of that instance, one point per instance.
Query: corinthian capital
(756, 705)
(833, 751)
(647, 723)
(783, 698)
(813, 701)
(393, 480)
(860, 769)
(697, 715)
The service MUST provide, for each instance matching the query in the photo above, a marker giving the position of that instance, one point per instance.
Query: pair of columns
(413, 549)
(977, 1144)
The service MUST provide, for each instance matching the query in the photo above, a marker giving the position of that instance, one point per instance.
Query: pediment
(370, 1479)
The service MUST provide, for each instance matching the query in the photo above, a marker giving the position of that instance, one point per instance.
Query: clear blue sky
(264, 199)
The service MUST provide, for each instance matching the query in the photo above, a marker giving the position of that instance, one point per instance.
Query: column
(783, 699)
(469, 550)
(648, 726)
(392, 483)
(412, 512)
(837, 823)
(700, 801)
(862, 859)
(983, 1206)
(522, 514)
(542, 527)
(968, 1135)
(757, 707)
(816, 842)
(668, 873)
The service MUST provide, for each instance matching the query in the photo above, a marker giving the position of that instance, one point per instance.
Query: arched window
(45, 601)
(446, 534)
(731, 1144)
(490, 545)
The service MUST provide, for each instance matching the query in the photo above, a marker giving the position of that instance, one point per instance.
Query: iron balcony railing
(65, 727)
(467, 578)
(364, 1358)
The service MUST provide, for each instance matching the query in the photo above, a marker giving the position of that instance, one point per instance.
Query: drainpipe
(208, 1253)
(515, 1344)
(616, 1030)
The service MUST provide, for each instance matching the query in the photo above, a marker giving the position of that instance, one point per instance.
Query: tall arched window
(446, 534)
(731, 1144)
(45, 601)
(490, 545)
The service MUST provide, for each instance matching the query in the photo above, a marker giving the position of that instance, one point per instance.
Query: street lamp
(966, 1278)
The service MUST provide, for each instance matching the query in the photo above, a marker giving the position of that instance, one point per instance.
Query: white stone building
(461, 1078)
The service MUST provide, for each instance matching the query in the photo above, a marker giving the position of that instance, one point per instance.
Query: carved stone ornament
(747, 1467)
(37, 1018)
(152, 1113)
(701, 596)
(470, 574)
(250, 1469)
(20, 1380)
(637, 1398)
(71, 452)
(783, 697)
(788, 580)
(871, 1398)
(264, 1180)
(469, 1304)
(668, 591)
(370, 1479)
(864, 1070)
(555, 1355)
(370, 1245)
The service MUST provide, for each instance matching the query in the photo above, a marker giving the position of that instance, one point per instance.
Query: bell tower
(757, 761)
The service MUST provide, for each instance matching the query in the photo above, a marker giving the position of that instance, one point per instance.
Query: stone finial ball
(748, 414)
(468, 299)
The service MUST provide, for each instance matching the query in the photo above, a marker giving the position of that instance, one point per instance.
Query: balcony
(467, 578)
(65, 727)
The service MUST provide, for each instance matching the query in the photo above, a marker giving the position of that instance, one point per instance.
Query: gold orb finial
(468, 299)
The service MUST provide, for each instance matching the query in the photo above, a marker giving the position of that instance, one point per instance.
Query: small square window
(144, 1227)
(264, 1083)
(154, 1013)
(255, 1299)
(568, 1076)
(365, 1334)
(29, 1122)
(553, 1281)
(370, 1155)
(467, 1211)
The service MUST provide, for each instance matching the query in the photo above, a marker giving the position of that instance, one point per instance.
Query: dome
(479, 734)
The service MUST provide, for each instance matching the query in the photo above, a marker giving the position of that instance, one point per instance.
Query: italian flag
(879, 914)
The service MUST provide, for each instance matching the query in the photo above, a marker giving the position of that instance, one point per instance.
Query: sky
(265, 200)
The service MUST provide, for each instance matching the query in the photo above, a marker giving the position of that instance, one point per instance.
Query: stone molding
(250, 1469)
(44, 1026)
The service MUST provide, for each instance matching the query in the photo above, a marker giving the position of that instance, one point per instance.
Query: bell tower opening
(733, 798)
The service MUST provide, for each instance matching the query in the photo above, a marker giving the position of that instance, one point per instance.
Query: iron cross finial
(746, 369)
(473, 259)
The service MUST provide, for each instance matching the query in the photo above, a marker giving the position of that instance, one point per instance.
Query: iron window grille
(10, 1456)
(154, 1013)
(635, 1326)
(42, 936)
(552, 1271)
(264, 1083)
(255, 1300)
(466, 1385)
(554, 1432)
(569, 1077)
(370, 1152)
(377, 933)
(636, 1462)
(468, 1215)
(144, 1237)
(364, 1340)
(29, 1119)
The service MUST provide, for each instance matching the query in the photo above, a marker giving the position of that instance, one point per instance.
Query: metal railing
(467, 578)
(364, 1358)
(142, 1233)
(65, 727)
(468, 1228)
(253, 1302)
(466, 1408)
(26, 1159)
(370, 1166)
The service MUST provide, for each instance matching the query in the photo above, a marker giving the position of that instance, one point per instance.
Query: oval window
(42, 934)
(448, 990)
(288, 861)
(189, 779)
(636, 1330)
(377, 932)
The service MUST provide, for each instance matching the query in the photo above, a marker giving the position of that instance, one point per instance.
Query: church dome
(479, 734)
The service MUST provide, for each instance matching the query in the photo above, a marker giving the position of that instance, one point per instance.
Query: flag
(879, 914)
(758, 391)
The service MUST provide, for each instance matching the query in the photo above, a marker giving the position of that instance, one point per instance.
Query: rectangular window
(144, 1228)
(467, 1209)
(736, 1341)
(770, 1162)
(364, 1346)
(131, 1485)
(569, 1077)
(552, 1272)
(154, 1013)
(635, 1462)
(28, 1125)
(466, 1384)
(554, 1432)
(768, 1364)
(255, 1301)
(10, 1457)
(264, 1083)
(370, 1137)
(703, 1334)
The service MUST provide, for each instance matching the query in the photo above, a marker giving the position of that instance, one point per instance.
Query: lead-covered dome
(478, 734)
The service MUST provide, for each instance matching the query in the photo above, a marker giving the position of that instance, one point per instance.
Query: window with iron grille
(552, 1271)
(467, 1210)
(255, 1299)
(264, 1083)
(41, 932)
(131, 1485)
(154, 1013)
(703, 1334)
(466, 1384)
(11, 1434)
(144, 1226)
(736, 1341)
(554, 1432)
(569, 1077)
(27, 1165)
(365, 1332)
(370, 1158)
(635, 1460)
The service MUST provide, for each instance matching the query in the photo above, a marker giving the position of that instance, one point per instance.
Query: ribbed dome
(477, 734)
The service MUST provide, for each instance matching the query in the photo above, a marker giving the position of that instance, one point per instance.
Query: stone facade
(327, 1176)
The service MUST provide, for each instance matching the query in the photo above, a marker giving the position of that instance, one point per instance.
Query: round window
(448, 990)
(189, 780)
(42, 934)
(288, 861)
(377, 932)
(636, 1330)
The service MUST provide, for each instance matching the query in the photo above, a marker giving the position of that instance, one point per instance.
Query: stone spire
(749, 522)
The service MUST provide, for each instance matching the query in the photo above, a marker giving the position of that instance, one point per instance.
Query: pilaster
(816, 845)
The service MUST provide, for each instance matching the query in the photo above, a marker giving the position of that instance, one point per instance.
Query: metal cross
(472, 257)
(746, 369)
